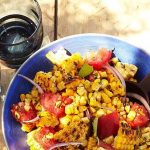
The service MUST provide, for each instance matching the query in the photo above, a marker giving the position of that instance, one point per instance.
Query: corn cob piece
(126, 139)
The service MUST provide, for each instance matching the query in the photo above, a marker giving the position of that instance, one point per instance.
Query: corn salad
(97, 95)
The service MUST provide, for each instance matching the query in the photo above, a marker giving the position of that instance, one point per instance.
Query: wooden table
(123, 18)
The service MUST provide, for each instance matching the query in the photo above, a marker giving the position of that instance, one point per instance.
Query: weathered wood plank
(127, 19)
(6, 74)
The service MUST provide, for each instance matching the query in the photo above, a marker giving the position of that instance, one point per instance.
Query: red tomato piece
(105, 145)
(40, 137)
(108, 125)
(66, 100)
(142, 117)
(101, 58)
(53, 103)
(20, 114)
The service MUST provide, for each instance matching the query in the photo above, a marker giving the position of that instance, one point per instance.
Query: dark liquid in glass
(16, 43)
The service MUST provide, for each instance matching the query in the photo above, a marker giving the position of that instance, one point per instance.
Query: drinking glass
(21, 30)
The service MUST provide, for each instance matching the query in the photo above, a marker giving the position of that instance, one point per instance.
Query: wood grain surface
(123, 18)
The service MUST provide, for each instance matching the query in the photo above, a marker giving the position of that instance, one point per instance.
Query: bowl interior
(15, 138)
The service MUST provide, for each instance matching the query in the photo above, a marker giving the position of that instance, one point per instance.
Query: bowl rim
(55, 42)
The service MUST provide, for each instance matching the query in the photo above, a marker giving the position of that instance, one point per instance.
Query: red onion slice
(88, 114)
(32, 82)
(32, 120)
(65, 144)
(141, 99)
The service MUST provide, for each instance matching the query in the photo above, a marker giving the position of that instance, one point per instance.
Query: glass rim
(38, 26)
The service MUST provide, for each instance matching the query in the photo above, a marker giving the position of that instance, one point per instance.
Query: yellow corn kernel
(96, 86)
(81, 90)
(105, 98)
(119, 104)
(100, 113)
(82, 108)
(81, 115)
(104, 83)
(90, 95)
(131, 115)
(87, 84)
(103, 74)
(28, 96)
(76, 111)
(34, 93)
(143, 147)
(109, 93)
(69, 109)
(92, 110)
(94, 103)
(26, 127)
(75, 118)
(114, 60)
(82, 100)
(22, 97)
(65, 120)
(109, 140)
(104, 104)
(85, 119)
(38, 106)
(61, 85)
(127, 108)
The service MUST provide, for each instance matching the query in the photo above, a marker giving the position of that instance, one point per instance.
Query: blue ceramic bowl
(14, 137)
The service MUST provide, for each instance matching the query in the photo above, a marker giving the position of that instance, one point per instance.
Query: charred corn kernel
(81, 90)
(105, 98)
(22, 97)
(143, 147)
(109, 140)
(61, 85)
(34, 93)
(146, 129)
(127, 108)
(85, 119)
(82, 100)
(82, 108)
(103, 74)
(109, 93)
(146, 136)
(65, 120)
(96, 86)
(69, 109)
(100, 113)
(104, 83)
(131, 115)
